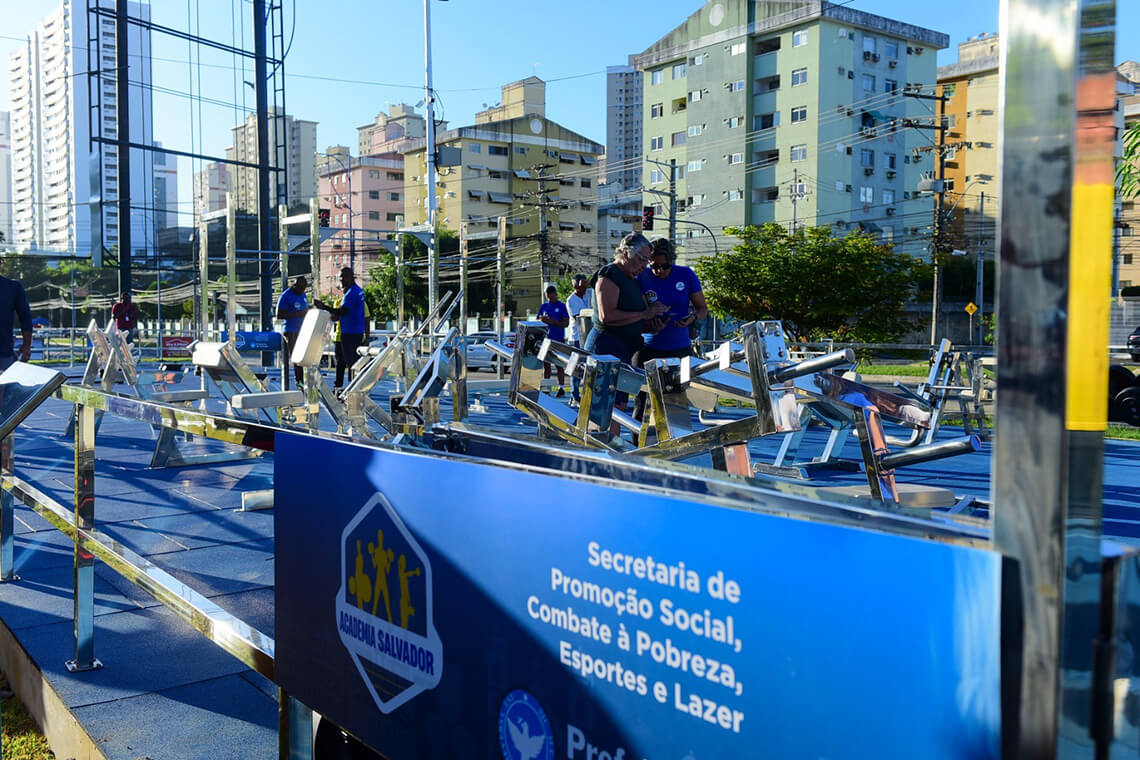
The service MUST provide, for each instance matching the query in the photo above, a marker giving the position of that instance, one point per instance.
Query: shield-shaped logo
(384, 606)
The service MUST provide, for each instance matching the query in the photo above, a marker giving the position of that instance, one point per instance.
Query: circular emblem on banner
(524, 730)
(680, 286)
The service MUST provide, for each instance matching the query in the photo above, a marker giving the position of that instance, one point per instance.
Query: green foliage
(1128, 170)
(820, 286)
(565, 285)
(22, 739)
(382, 294)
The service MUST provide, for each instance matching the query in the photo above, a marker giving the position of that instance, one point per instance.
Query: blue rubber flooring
(165, 691)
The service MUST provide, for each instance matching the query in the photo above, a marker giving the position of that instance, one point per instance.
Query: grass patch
(22, 738)
(914, 369)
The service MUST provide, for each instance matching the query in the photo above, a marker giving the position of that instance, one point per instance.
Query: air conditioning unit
(918, 51)
(890, 212)
(893, 64)
(875, 57)
(849, 150)
(847, 189)
(909, 50)
(868, 55)
(906, 195)
(868, 171)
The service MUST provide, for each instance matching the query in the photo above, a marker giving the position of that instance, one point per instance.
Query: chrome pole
(7, 515)
(84, 592)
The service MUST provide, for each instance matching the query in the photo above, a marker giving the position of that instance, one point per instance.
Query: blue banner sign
(255, 341)
(438, 607)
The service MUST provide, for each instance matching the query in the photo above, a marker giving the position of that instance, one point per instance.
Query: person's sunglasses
(662, 267)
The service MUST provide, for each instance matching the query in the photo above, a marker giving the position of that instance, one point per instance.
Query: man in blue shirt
(554, 314)
(353, 324)
(679, 288)
(292, 307)
(14, 301)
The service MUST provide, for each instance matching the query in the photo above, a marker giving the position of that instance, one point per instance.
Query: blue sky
(477, 46)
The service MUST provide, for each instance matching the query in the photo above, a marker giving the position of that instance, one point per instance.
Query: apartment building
(392, 132)
(210, 188)
(517, 163)
(970, 145)
(365, 197)
(1127, 264)
(299, 141)
(57, 107)
(619, 198)
(792, 113)
(166, 209)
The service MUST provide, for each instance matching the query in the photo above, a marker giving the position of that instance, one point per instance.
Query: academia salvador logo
(524, 730)
(384, 606)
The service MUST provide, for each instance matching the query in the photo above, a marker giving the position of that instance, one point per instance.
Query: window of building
(374, 216)
(949, 185)
(798, 153)
(657, 77)
(891, 159)
(475, 147)
(870, 45)
(737, 86)
(951, 152)
(656, 175)
(695, 166)
(867, 194)
(800, 38)
(694, 96)
(735, 195)
(497, 150)
(891, 86)
(374, 194)
(678, 138)
(799, 113)
(1126, 258)
(656, 143)
(950, 90)
(396, 176)
(799, 76)
(695, 130)
(679, 70)
(737, 48)
(888, 197)
(869, 82)
(394, 196)
(699, 59)
(696, 200)
(392, 216)
(373, 174)
(657, 110)
(587, 183)
(736, 158)
(520, 150)
(891, 49)
(867, 158)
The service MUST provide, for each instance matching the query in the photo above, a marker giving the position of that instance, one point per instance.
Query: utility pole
(979, 273)
(399, 281)
(429, 178)
(543, 236)
(673, 200)
(500, 273)
(940, 191)
(797, 193)
(463, 250)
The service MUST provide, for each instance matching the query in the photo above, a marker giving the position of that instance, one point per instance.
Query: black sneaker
(561, 392)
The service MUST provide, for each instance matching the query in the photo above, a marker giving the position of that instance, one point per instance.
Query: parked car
(1134, 344)
(478, 355)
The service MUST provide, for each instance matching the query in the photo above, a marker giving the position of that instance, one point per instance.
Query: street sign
(971, 307)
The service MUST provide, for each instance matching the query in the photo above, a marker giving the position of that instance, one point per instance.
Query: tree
(1128, 170)
(819, 286)
(382, 294)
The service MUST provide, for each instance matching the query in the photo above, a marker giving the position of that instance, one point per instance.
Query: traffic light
(323, 217)
(646, 218)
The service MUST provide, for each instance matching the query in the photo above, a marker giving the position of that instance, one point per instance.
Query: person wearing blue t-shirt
(353, 323)
(555, 314)
(679, 288)
(292, 307)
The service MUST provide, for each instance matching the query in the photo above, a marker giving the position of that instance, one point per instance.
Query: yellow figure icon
(382, 562)
(406, 608)
(359, 585)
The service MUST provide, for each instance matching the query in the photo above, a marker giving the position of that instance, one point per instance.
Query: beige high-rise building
(970, 144)
(517, 163)
(392, 132)
(299, 161)
(210, 188)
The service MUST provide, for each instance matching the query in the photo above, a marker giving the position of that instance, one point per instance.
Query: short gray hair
(629, 244)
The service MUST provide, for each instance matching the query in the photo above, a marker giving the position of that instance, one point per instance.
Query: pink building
(365, 199)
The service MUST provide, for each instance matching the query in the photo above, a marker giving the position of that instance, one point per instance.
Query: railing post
(84, 596)
(7, 517)
(294, 728)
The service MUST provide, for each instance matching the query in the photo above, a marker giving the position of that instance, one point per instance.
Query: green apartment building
(775, 110)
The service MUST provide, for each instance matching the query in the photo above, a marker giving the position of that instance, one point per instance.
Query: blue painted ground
(165, 692)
